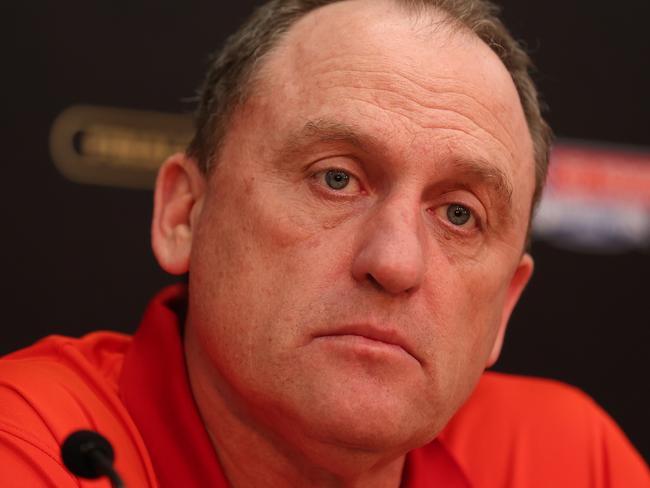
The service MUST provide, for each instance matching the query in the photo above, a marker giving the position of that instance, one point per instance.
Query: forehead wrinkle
(451, 86)
(407, 114)
(438, 85)
(496, 129)
(400, 114)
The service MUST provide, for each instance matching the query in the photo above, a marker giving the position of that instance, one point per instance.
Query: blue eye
(337, 179)
(458, 215)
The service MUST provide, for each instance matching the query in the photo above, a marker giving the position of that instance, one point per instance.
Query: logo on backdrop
(597, 198)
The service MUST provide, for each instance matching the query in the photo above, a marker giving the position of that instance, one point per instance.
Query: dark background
(77, 258)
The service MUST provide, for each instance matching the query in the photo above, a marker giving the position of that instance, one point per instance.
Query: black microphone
(88, 454)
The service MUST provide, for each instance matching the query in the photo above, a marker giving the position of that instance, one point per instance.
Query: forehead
(404, 77)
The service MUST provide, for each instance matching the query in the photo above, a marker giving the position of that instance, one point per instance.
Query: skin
(330, 331)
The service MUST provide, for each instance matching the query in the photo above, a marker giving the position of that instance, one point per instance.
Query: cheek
(258, 279)
(470, 302)
(258, 261)
(485, 314)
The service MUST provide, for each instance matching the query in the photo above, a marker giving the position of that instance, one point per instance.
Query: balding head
(233, 68)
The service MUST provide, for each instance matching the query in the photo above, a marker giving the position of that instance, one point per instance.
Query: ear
(180, 187)
(517, 284)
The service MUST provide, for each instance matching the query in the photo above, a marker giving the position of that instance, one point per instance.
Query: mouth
(367, 337)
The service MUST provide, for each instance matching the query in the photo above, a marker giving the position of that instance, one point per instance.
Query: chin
(372, 423)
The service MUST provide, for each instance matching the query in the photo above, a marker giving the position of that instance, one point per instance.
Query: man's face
(359, 244)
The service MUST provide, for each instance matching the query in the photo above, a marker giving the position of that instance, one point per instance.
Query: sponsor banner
(597, 198)
(113, 146)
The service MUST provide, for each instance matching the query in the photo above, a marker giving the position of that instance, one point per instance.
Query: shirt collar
(155, 390)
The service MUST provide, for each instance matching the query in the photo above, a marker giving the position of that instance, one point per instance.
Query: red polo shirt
(513, 431)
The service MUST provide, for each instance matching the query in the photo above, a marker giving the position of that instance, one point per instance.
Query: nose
(391, 256)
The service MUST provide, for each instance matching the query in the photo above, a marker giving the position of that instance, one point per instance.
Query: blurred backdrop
(76, 256)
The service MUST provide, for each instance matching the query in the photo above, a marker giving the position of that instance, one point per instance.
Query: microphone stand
(105, 465)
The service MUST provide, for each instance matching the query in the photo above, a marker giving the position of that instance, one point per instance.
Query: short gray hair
(230, 74)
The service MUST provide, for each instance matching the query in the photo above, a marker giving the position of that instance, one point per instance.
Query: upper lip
(381, 334)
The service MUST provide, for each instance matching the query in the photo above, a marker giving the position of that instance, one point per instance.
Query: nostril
(377, 285)
(371, 279)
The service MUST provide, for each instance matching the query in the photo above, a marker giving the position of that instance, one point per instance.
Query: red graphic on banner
(601, 173)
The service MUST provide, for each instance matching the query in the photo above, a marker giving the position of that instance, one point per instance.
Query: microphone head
(78, 453)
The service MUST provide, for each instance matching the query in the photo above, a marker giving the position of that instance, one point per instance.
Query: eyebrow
(326, 130)
(487, 173)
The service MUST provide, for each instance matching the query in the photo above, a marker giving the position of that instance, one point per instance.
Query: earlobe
(177, 201)
(518, 282)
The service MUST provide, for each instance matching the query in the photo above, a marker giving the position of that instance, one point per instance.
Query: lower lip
(364, 346)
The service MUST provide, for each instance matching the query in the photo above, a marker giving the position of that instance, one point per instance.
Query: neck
(254, 454)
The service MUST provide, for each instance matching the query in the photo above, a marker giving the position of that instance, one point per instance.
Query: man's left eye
(458, 215)
(337, 179)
